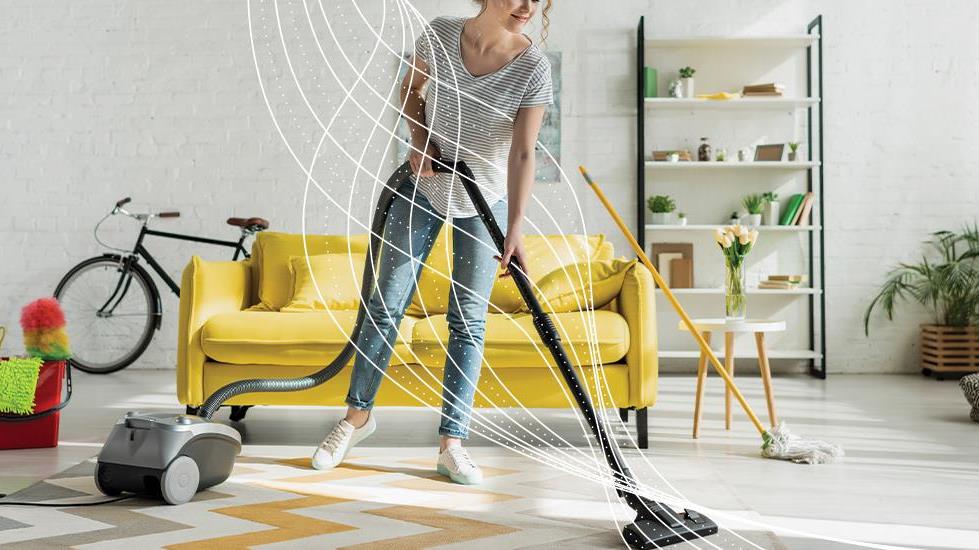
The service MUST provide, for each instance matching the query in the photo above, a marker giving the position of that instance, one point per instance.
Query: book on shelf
(664, 155)
(765, 87)
(777, 285)
(806, 208)
(791, 209)
(761, 90)
(781, 282)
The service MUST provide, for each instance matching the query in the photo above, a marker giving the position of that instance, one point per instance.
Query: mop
(777, 442)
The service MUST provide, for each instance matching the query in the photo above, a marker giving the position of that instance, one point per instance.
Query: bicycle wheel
(110, 315)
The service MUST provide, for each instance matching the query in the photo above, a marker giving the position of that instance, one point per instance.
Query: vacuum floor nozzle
(657, 526)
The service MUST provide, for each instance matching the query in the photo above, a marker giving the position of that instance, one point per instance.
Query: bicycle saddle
(261, 223)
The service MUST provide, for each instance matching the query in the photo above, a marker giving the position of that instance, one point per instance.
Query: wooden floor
(910, 476)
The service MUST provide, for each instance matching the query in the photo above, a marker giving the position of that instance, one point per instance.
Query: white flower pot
(771, 213)
(661, 218)
(681, 221)
(688, 87)
(751, 220)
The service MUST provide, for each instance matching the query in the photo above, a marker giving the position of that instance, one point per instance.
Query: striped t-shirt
(470, 118)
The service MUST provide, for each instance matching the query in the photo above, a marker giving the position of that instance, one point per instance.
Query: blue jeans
(414, 230)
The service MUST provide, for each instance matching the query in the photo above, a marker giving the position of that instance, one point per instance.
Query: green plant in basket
(947, 283)
(769, 197)
(753, 203)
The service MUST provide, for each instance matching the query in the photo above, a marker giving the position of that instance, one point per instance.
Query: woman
(490, 85)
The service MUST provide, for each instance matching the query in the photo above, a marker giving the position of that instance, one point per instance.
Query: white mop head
(782, 444)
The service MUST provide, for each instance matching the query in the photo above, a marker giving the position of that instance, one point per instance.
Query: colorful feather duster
(44, 330)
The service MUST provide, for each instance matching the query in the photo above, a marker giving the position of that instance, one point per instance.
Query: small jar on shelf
(703, 152)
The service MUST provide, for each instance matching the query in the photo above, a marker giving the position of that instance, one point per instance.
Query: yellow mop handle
(704, 348)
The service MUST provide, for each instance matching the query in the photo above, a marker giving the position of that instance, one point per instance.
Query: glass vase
(735, 304)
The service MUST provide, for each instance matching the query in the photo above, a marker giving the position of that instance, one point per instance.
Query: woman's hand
(513, 249)
(422, 165)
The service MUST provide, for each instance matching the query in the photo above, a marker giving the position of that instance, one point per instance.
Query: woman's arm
(520, 178)
(413, 105)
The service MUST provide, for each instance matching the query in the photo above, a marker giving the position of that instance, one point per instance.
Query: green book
(791, 209)
(649, 81)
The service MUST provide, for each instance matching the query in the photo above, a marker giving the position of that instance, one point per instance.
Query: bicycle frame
(141, 251)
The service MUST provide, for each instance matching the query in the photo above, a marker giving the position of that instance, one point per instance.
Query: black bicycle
(112, 306)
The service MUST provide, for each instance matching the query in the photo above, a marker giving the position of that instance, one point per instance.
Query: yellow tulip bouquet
(736, 241)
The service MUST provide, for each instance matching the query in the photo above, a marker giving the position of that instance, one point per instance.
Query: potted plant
(793, 149)
(754, 204)
(681, 218)
(735, 219)
(736, 241)
(661, 206)
(686, 78)
(771, 208)
(947, 283)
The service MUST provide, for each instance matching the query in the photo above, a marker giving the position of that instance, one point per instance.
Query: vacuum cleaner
(176, 455)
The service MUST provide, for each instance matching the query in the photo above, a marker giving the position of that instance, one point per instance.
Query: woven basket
(949, 350)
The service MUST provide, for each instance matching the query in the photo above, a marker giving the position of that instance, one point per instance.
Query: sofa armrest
(206, 289)
(637, 303)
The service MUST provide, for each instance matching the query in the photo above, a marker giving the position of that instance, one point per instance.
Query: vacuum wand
(655, 525)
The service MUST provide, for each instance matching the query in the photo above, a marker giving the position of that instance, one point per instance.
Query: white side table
(729, 327)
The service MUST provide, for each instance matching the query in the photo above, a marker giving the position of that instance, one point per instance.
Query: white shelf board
(738, 103)
(761, 228)
(731, 165)
(720, 291)
(772, 354)
(773, 41)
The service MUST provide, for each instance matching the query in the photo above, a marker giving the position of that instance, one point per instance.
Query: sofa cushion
(273, 252)
(274, 338)
(510, 339)
(545, 254)
(326, 281)
(433, 283)
(583, 285)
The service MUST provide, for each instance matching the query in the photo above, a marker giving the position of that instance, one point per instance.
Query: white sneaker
(456, 463)
(338, 443)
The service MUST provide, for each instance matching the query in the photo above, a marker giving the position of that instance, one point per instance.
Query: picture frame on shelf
(771, 152)
(678, 269)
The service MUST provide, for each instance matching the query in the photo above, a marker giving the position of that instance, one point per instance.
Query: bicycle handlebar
(143, 217)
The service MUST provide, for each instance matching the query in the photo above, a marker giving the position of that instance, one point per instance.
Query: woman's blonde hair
(544, 16)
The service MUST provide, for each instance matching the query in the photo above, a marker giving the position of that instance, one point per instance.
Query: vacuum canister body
(165, 454)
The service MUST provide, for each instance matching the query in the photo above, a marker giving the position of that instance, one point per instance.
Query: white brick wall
(159, 100)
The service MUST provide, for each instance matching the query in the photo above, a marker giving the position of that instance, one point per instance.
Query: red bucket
(41, 428)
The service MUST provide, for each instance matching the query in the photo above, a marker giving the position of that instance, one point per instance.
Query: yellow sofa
(231, 329)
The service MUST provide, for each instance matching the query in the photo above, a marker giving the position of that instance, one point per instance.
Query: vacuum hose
(323, 375)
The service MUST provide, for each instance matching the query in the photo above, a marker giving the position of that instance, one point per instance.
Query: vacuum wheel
(180, 480)
(103, 481)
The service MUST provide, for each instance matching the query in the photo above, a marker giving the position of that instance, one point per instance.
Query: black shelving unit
(815, 182)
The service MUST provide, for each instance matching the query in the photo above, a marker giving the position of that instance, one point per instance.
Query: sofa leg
(238, 412)
(191, 411)
(624, 415)
(642, 428)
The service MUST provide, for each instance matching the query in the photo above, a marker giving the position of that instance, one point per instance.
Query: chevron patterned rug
(380, 498)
